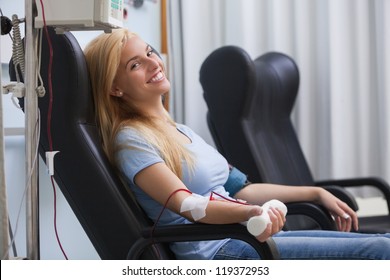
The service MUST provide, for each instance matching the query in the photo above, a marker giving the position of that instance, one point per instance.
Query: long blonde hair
(103, 57)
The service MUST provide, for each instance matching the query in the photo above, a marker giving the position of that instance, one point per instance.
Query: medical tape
(197, 204)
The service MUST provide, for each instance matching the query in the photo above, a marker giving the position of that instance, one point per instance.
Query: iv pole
(31, 137)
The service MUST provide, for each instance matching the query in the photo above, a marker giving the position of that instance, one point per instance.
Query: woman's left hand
(345, 217)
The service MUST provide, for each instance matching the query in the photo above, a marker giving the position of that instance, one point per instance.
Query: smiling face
(140, 77)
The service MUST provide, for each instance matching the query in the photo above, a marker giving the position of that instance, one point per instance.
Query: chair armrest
(376, 182)
(314, 211)
(199, 232)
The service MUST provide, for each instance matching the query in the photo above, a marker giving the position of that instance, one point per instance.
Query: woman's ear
(116, 92)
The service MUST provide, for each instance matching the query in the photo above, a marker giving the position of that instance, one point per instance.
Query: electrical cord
(37, 129)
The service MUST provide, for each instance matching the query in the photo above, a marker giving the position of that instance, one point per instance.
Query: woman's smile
(156, 78)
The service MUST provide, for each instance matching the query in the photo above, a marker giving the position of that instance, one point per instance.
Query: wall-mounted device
(81, 14)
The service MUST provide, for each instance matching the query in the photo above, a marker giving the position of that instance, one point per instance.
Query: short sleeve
(134, 153)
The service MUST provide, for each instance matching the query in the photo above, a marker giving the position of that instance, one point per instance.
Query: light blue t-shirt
(209, 174)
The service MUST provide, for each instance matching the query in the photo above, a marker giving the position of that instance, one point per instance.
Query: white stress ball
(257, 224)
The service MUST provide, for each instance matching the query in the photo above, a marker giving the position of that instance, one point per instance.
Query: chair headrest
(278, 82)
(226, 75)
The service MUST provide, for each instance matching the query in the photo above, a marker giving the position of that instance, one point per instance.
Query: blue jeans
(310, 245)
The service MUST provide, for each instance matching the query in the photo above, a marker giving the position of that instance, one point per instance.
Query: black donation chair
(111, 217)
(266, 136)
(228, 77)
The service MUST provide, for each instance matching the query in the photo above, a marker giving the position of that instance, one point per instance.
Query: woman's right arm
(159, 182)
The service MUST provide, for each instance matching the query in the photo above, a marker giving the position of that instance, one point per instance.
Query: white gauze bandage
(197, 204)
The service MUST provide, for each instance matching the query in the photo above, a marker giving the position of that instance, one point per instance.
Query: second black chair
(249, 104)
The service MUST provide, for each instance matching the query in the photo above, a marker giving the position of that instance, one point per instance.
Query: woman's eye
(134, 65)
(149, 53)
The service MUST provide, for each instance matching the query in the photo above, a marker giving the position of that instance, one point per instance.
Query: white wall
(144, 21)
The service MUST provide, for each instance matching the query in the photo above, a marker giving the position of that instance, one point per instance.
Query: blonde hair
(103, 57)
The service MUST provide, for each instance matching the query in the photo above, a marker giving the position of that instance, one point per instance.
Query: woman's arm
(345, 217)
(261, 193)
(159, 182)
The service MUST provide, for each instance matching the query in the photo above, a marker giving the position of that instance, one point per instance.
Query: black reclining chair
(228, 77)
(259, 116)
(112, 219)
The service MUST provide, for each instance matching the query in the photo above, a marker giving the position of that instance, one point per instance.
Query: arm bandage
(197, 204)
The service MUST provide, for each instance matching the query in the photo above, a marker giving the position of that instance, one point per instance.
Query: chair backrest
(249, 105)
(109, 214)
(228, 77)
(267, 124)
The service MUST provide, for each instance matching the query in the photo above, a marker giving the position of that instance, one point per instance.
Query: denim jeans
(321, 245)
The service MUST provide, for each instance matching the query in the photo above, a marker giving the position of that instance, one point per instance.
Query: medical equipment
(256, 225)
(81, 15)
(63, 16)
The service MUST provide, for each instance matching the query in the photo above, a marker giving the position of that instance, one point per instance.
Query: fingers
(345, 217)
(254, 211)
(347, 222)
(280, 219)
(344, 223)
(277, 219)
(266, 234)
(351, 217)
(355, 221)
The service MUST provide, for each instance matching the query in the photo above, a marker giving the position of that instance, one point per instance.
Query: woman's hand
(277, 222)
(345, 217)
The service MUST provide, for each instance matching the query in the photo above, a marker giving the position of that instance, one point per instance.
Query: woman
(167, 165)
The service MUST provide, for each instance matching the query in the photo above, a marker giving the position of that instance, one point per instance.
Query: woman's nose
(152, 63)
